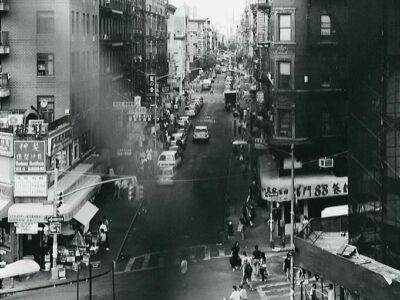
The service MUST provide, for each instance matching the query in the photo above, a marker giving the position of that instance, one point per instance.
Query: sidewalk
(120, 217)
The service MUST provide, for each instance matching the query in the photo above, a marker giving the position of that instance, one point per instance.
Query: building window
(72, 22)
(285, 30)
(326, 123)
(284, 126)
(45, 22)
(393, 153)
(326, 29)
(45, 105)
(77, 22)
(284, 78)
(87, 23)
(45, 64)
(83, 24)
(393, 99)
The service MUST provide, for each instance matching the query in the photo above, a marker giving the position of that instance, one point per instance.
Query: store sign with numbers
(30, 185)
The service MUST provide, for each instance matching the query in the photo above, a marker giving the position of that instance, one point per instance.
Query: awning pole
(292, 224)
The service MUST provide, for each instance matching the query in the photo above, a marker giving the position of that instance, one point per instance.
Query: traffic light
(130, 192)
(59, 199)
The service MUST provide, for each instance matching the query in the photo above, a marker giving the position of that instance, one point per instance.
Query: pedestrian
(243, 292)
(239, 127)
(256, 260)
(242, 225)
(252, 214)
(263, 267)
(331, 292)
(117, 189)
(103, 228)
(235, 260)
(247, 272)
(183, 270)
(124, 187)
(313, 293)
(235, 293)
(286, 266)
(305, 226)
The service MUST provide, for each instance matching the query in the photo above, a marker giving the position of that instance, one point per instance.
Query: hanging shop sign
(306, 188)
(137, 100)
(6, 191)
(30, 185)
(260, 97)
(59, 141)
(124, 152)
(27, 228)
(140, 118)
(125, 105)
(6, 144)
(138, 110)
(30, 156)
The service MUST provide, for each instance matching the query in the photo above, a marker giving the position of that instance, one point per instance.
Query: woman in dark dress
(235, 260)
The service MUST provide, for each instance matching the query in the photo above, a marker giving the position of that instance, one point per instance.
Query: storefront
(31, 220)
(313, 192)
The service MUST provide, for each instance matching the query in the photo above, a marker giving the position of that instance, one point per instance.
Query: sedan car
(177, 136)
(169, 158)
(190, 111)
(200, 133)
(165, 176)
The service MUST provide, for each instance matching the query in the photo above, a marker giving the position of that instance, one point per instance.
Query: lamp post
(54, 270)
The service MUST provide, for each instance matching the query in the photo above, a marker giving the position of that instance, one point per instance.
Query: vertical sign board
(262, 30)
(6, 144)
(152, 83)
(260, 96)
(30, 156)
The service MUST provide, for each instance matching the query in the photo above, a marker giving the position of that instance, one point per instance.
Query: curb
(54, 284)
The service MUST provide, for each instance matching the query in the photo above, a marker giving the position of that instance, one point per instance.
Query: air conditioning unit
(3, 122)
(325, 162)
(108, 2)
(105, 37)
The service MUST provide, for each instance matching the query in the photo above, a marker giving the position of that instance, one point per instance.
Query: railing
(317, 226)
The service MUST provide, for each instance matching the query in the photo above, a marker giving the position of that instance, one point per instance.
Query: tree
(208, 61)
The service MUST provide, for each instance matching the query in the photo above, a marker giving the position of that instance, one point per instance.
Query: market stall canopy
(18, 268)
(78, 240)
(86, 213)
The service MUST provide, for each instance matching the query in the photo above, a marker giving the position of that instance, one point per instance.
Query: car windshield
(201, 130)
(162, 158)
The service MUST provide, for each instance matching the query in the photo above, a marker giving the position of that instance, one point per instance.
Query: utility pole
(54, 270)
(155, 116)
(292, 223)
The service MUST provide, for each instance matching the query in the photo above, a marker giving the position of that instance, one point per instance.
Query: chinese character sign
(29, 156)
(6, 144)
(325, 188)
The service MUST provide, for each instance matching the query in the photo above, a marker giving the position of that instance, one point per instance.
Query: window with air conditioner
(45, 64)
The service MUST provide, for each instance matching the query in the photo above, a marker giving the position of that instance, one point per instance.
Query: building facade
(374, 141)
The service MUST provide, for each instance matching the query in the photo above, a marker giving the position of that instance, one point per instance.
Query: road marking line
(207, 254)
(146, 261)
(129, 264)
(261, 292)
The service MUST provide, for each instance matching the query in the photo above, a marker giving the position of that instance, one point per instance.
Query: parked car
(169, 158)
(190, 111)
(165, 175)
(201, 133)
(177, 136)
(177, 147)
(198, 102)
(184, 122)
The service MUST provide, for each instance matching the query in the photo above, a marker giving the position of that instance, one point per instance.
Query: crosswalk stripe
(129, 264)
(146, 261)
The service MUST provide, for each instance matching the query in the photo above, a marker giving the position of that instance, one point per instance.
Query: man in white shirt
(235, 294)
(184, 269)
(243, 293)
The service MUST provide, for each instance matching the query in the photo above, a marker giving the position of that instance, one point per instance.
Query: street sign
(54, 219)
(152, 83)
(55, 228)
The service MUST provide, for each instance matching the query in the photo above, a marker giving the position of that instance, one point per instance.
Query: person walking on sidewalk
(183, 271)
(263, 267)
(242, 226)
(235, 293)
(256, 260)
(243, 292)
(286, 266)
(235, 260)
(247, 272)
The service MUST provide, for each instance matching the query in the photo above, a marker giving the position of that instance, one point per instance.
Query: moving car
(165, 176)
(169, 158)
(200, 133)
(184, 122)
(206, 84)
(198, 102)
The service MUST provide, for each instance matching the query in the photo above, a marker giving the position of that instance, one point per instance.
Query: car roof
(201, 127)
(168, 152)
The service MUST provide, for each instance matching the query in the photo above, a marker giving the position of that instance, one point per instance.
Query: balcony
(4, 6)
(4, 85)
(4, 46)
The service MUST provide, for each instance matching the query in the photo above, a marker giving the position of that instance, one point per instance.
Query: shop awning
(29, 213)
(4, 206)
(86, 213)
(39, 212)
(18, 268)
